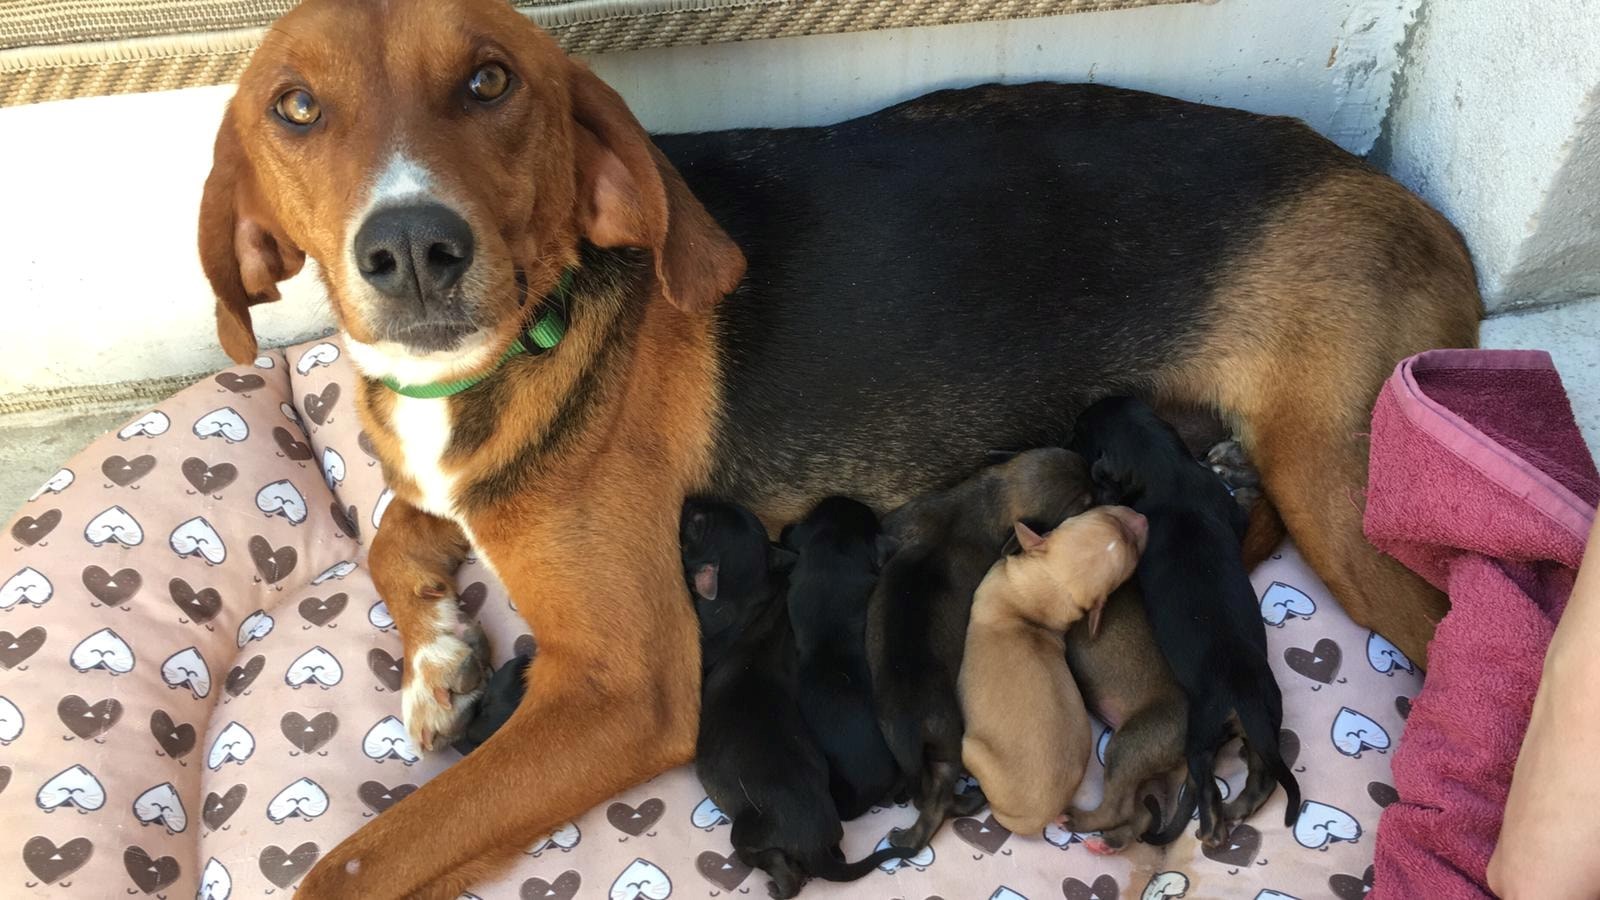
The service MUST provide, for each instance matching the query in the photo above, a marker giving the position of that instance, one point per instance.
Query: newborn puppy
(755, 757)
(917, 616)
(500, 698)
(840, 550)
(1028, 739)
(1199, 600)
(1128, 684)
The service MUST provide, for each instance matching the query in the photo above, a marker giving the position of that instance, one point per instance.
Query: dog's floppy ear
(629, 195)
(242, 248)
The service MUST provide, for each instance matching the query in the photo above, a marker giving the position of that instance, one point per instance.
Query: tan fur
(1027, 731)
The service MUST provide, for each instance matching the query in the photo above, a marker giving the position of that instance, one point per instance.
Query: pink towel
(1481, 483)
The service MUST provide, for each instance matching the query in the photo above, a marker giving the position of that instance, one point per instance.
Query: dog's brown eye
(489, 82)
(298, 107)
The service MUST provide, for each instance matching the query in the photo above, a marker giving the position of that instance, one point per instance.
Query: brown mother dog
(960, 272)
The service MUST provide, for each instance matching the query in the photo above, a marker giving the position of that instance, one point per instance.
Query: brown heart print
(29, 530)
(239, 384)
(320, 406)
(1402, 705)
(1349, 887)
(1382, 794)
(149, 875)
(364, 441)
(174, 739)
(208, 479)
(386, 667)
(565, 887)
(309, 734)
(50, 863)
(241, 677)
(524, 646)
(123, 472)
(88, 720)
(5, 778)
(1320, 664)
(273, 565)
(220, 808)
(726, 872)
(198, 606)
(299, 451)
(15, 649)
(986, 836)
(284, 867)
(111, 589)
(471, 598)
(320, 612)
(1288, 746)
(1238, 849)
(345, 520)
(1104, 888)
(634, 821)
(378, 797)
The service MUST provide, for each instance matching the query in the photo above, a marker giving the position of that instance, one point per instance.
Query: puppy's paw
(1099, 846)
(444, 679)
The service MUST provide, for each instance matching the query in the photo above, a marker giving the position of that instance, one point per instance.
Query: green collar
(546, 332)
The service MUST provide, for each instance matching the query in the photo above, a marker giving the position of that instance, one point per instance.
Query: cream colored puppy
(1027, 732)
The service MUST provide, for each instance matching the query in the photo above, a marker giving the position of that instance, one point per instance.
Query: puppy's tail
(1261, 731)
(831, 867)
(1183, 811)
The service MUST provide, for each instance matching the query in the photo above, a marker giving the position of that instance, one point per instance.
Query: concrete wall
(98, 274)
(1497, 122)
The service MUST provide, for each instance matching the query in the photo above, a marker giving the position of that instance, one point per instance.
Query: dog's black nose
(414, 252)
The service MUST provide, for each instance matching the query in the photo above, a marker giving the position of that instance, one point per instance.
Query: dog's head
(1078, 565)
(442, 162)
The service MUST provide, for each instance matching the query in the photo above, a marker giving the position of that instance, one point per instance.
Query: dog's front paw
(444, 679)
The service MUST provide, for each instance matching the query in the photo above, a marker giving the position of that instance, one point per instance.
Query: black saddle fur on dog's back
(1197, 594)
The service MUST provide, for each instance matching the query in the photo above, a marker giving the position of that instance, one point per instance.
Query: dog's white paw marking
(322, 354)
(11, 721)
(161, 804)
(234, 744)
(388, 740)
(27, 586)
(641, 880)
(187, 668)
(282, 498)
(114, 524)
(58, 482)
(1280, 601)
(304, 798)
(103, 650)
(196, 537)
(444, 680)
(225, 423)
(74, 786)
(1354, 732)
(1321, 825)
(1386, 657)
(152, 424)
(215, 882)
(1165, 885)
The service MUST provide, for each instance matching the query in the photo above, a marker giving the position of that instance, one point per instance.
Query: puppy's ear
(781, 559)
(705, 582)
(1094, 616)
(1027, 538)
(242, 247)
(629, 195)
(884, 549)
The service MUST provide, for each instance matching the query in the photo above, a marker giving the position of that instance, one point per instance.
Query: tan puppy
(1028, 739)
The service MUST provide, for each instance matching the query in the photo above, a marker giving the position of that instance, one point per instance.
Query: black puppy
(841, 549)
(500, 698)
(1199, 600)
(755, 757)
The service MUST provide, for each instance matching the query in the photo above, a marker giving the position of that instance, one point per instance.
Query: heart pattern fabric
(198, 678)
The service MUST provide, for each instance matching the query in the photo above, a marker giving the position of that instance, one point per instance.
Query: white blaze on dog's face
(114, 524)
(74, 786)
(255, 626)
(10, 721)
(215, 882)
(161, 804)
(187, 668)
(104, 650)
(282, 498)
(314, 665)
(304, 798)
(225, 423)
(235, 744)
(196, 537)
(388, 740)
(27, 586)
(641, 880)
(152, 424)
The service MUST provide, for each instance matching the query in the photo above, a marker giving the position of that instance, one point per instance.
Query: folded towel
(1481, 483)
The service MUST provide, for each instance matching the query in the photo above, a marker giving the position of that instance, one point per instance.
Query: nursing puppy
(1027, 731)
(755, 757)
(917, 616)
(1199, 600)
(1128, 684)
(841, 549)
(501, 694)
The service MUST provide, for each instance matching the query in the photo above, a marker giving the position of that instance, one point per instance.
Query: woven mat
(60, 49)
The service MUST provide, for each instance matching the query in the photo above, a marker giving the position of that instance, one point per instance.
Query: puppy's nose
(414, 252)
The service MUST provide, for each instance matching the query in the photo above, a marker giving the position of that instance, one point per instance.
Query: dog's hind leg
(934, 801)
(787, 879)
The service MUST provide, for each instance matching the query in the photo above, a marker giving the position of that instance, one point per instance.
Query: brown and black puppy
(1127, 683)
(917, 617)
(841, 548)
(755, 757)
(1027, 732)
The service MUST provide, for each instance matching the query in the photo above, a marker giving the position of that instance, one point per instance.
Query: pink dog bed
(198, 695)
